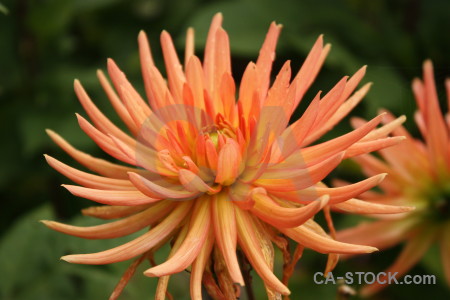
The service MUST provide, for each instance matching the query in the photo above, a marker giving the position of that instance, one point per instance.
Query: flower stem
(246, 269)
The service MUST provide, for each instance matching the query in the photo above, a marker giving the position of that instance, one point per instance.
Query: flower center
(438, 203)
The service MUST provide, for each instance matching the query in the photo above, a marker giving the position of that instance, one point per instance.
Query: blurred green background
(45, 44)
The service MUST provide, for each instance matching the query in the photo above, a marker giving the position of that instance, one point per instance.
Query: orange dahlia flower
(214, 175)
(419, 175)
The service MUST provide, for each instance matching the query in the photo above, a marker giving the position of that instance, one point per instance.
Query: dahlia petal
(163, 281)
(298, 179)
(384, 130)
(437, 135)
(331, 102)
(267, 249)
(97, 165)
(103, 141)
(117, 103)
(267, 210)
(338, 144)
(310, 239)
(152, 189)
(227, 94)
(248, 91)
(111, 197)
(99, 119)
(194, 183)
(240, 195)
(309, 70)
(279, 90)
(107, 212)
(137, 246)
(228, 163)
(211, 155)
(381, 234)
(161, 96)
(225, 283)
(210, 48)
(410, 255)
(173, 67)
(222, 65)
(225, 233)
(190, 46)
(356, 206)
(144, 157)
(198, 268)
(88, 180)
(196, 80)
(134, 108)
(145, 56)
(372, 165)
(343, 110)
(122, 84)
(190, 248)
(248, 240)
(118, 228)
(294, 135)
(370, 146)
(266, 58)
(337, 194)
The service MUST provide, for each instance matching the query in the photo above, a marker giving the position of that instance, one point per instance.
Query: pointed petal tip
(45, 222)
(67, 258)
(49, 131)
(427, 64)
(370, 249)
(381, 177)
(150, 273)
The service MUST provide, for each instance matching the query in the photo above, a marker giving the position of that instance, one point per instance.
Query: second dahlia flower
(216, 175)
(419, 175)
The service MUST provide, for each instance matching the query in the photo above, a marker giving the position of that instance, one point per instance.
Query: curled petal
(88, 180)
(111, 197)
(310, 239)
(97, 165)
(226, 233)
(192, 244)
(198, 268)
(248, 240)
(163, 281)
(108, 212)
(269, 211)
(337, 194)
(151, 189)
(137, 246)
(118, 228)
(356, 206)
